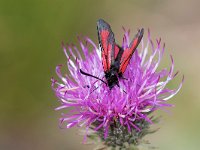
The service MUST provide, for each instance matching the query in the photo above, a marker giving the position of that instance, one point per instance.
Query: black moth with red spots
(115, 59)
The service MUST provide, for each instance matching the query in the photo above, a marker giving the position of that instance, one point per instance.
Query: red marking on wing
(104, 61)
(127, 54)
(116, 51)
(104, 52)
(109, 48)
(104, 40)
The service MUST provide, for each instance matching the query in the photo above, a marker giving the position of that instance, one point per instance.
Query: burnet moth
(115, 59)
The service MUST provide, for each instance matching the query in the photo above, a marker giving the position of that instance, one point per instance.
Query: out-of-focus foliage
(31, 33)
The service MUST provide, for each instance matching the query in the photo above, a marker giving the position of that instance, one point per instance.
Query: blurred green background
(31, 33)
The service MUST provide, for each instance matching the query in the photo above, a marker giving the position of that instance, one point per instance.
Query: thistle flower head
(94, 105)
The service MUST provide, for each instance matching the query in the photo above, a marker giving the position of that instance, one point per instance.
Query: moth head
(112, 80)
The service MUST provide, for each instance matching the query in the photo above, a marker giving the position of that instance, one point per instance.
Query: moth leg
(86, 86)
(121, 88)
(96, 88)
(124, 78)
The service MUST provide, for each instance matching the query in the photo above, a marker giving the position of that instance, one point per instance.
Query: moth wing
(128, 52)
(107, 44)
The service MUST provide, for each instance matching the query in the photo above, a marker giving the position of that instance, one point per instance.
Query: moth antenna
(87, 74)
